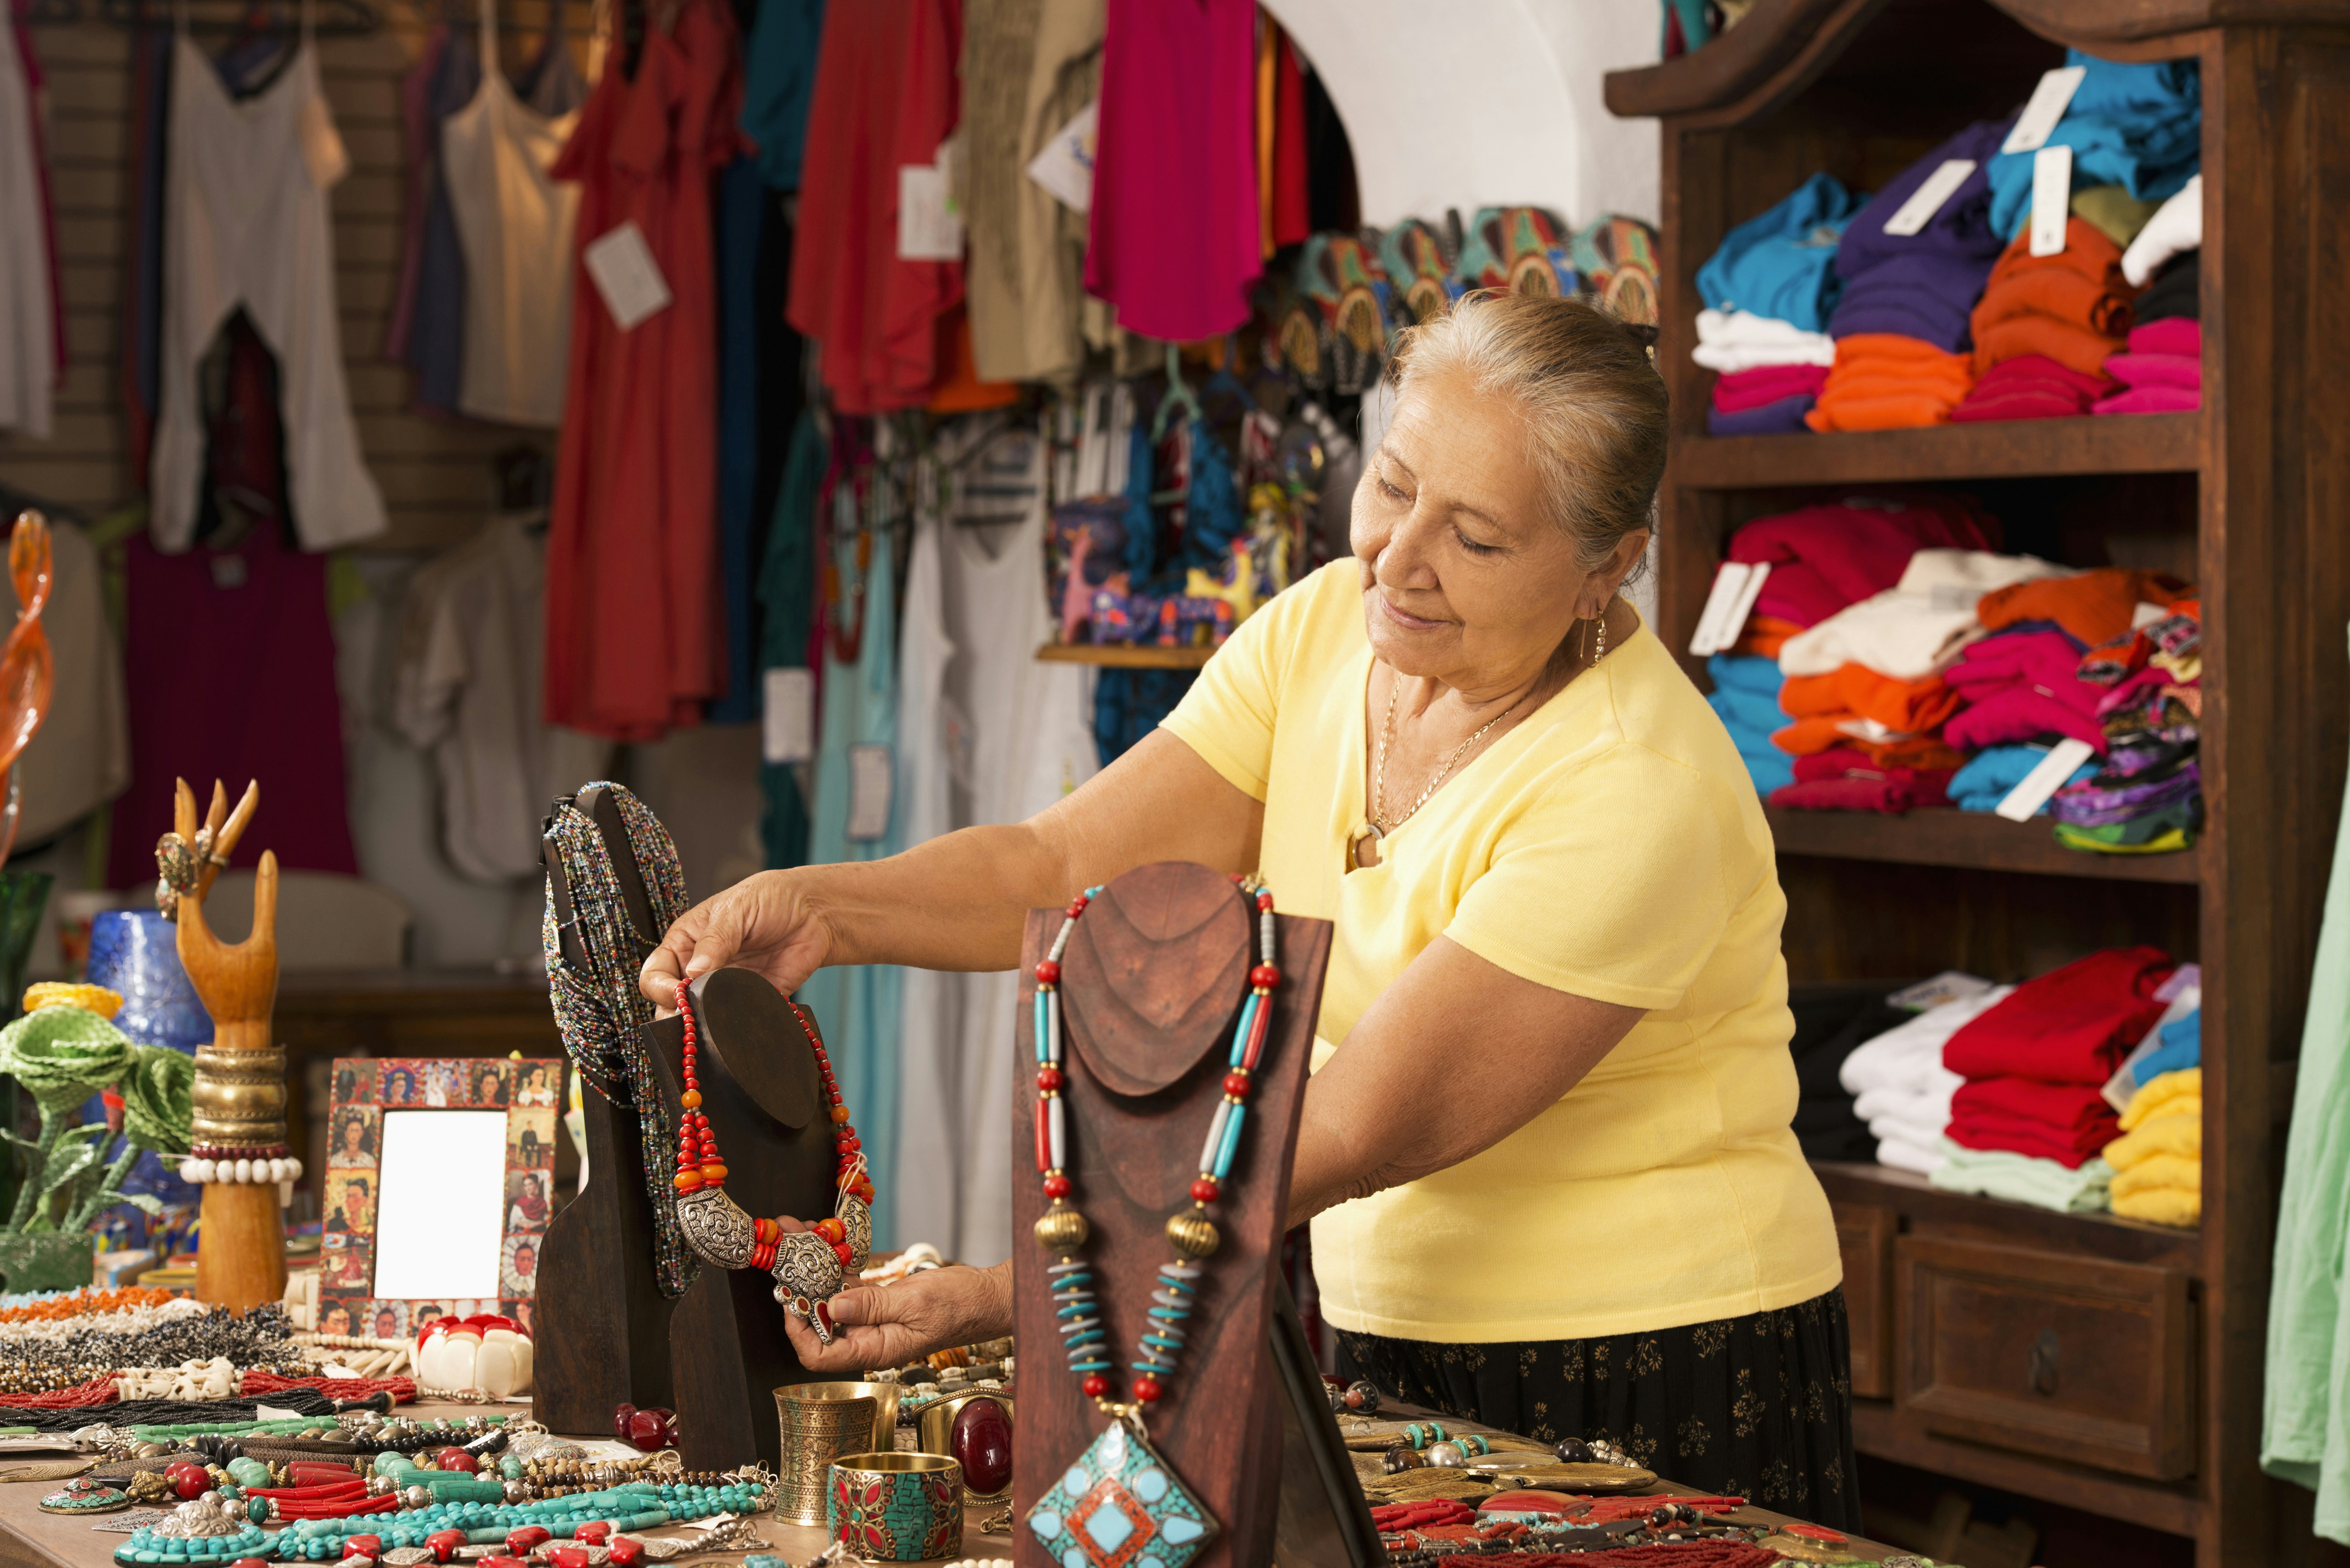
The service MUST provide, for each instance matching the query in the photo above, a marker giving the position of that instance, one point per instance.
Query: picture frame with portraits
(366, 1094)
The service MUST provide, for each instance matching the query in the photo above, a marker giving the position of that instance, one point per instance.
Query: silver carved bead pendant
(805, 1265)
(857, 1220)
(715, 1227)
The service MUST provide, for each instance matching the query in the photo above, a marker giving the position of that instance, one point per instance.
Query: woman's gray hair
(1594, 403)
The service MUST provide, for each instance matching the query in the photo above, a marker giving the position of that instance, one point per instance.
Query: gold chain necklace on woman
(1377, 826)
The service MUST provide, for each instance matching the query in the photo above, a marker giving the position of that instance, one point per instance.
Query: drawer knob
(2041, 1365)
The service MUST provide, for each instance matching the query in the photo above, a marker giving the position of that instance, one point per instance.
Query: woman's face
(530, 1186)
(351, 1133)
(1465, 578)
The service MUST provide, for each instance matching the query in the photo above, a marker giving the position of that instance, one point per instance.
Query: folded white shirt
(1923, 1101)
(1921, 1127)
(1907, 1055)
(1902, 1155)
(1918, 627)
(2177, 225)
(1732, 340)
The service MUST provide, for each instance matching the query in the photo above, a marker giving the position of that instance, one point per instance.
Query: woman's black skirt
(1757, 1407)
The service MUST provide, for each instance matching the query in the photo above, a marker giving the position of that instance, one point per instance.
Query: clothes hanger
(1178, 397)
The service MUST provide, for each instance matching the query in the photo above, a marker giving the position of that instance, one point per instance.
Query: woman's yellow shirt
(1611, 846)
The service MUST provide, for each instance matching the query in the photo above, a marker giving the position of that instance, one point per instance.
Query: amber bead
(839, 1112)
(690, 1099)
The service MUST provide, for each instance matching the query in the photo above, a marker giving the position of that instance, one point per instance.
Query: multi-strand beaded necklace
(1120, 1477)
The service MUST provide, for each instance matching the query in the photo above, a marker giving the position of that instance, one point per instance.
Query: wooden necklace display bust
(1151, 982)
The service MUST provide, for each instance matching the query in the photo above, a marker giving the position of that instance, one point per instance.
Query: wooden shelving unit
(2078, 1360)
(1125, 656)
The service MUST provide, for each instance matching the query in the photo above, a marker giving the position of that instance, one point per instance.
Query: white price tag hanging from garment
(872, 781)
(2027, 798)
(1065, 166)
(2052, 199)
(1735, 588)
(2050, 99)
(1912, 217)
(627, 275)
(787, 719)
(927, 229)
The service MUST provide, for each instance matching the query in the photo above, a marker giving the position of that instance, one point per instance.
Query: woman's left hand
(877, 1326)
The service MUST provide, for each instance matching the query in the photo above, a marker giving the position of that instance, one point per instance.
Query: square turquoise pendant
(1120, 1506)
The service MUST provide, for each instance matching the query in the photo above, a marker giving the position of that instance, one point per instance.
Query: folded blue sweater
(2139, 125)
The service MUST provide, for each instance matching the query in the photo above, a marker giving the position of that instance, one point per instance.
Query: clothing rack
(330, 18)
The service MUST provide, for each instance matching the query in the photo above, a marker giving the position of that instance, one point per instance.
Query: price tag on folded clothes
(2052, 199)
(1912, 217)
(2025, 799)
(1736, 586)
(2050, 99)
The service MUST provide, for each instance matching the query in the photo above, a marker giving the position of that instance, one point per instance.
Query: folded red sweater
(2072, 1025)
(1981, 1117)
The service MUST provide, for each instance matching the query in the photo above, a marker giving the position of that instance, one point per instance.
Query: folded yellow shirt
(2171, 1133)
(2161, 1092)
(2160, 1170)
(2161, 1206)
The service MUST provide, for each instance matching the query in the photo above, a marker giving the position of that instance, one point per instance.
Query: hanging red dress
(634, 631)
(885, 97)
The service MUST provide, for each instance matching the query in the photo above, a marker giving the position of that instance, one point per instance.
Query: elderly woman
(1545, 1149)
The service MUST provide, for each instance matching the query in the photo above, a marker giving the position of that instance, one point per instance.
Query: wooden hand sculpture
(28, 674)
(240, 1095)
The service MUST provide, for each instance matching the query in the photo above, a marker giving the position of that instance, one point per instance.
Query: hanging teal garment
(787, 606)
(858, 1008)
(2306, 1432)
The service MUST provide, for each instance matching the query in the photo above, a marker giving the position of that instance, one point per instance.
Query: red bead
(1204, 1190)
(1264, 977)
(595, 1532)
(1264, 897)
(1095, 1386)
(841, 1249)
(1049, 1080)
(523, 1537)
(651, 1428)
(1057, 1187)
(626, 1552)
(191, 1487)
(444, 1543)
(457, 1460)
(1146, 1389)
(1077, 906)
(363, 1546)
(1047, 972)
(1236, 1084)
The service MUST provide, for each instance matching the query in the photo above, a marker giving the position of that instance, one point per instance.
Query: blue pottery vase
(137, 953)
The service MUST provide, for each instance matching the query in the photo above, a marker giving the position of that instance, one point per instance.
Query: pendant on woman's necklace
(1362, 845)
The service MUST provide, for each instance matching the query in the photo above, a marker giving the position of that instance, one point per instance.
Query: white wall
(1470, 103)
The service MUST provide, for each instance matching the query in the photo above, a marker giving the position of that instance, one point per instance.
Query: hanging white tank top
(514, 225)
(27, 321)
(245, 223)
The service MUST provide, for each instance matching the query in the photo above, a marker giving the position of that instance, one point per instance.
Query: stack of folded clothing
(2148, 797)
(2035, 1064)
(1830, 1025)
(1919, 625)
(1768, 290)
(1901, 324)
(1838, 553)
(2162, 368)
(2045, 327)
(2160, 371)
(1901, 1089)
(1992, 773)
(2024, 1179)
(1865, 741)
(2023, 681)
(1746, 695)
(2140, 127)
(2158, 1160)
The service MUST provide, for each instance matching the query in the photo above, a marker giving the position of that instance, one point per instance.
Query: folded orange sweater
(1883, 380)
(1765, 635)
(1911, 707)
(2077, 302)
(2091, 606)
(1807, 737)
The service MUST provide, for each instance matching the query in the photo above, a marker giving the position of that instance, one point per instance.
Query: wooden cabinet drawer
(2046, 1353)
(1865, 1235)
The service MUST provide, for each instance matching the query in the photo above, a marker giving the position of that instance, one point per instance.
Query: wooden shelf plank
(1974, 839)
(1880, 1430)
(1125, 656)
(2010, 1224)
(2140, 443)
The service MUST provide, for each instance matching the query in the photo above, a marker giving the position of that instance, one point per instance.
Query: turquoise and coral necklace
(1119, 1496)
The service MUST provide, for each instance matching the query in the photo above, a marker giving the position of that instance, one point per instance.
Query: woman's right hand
(889, 1325)
(764, 923)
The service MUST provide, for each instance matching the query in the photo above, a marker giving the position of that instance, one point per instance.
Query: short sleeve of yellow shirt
(1611, 846)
